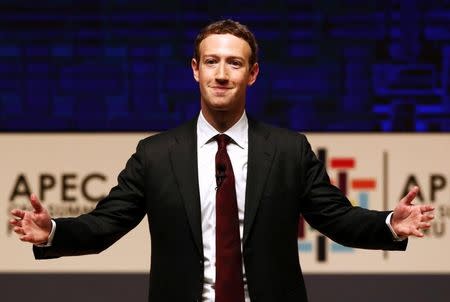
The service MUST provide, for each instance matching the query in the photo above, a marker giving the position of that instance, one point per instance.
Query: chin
(220, 106)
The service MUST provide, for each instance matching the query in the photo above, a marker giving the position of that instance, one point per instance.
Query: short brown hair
(228, 27)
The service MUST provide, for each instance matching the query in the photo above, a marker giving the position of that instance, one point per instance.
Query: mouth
(220, 89)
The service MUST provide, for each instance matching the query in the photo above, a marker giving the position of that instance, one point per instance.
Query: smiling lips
(220, 89)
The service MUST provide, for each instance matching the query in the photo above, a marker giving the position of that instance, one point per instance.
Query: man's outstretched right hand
(32, 226)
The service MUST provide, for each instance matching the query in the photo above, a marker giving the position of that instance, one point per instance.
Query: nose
(222, 73)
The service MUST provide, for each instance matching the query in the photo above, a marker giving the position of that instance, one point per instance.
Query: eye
(210, 61)
(236, 63)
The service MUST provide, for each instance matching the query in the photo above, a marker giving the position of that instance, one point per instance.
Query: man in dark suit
(249, 187)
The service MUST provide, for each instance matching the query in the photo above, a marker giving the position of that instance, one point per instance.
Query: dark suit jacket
(284, 180)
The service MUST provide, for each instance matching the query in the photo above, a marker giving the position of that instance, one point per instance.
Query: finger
(417, 233)
(424, 225)
(31, 239)
(27, 238)
(410, 196)
(427, 217)
(15, 222)
(35, 203)
(19, 230)
(18, 213)
(426, 208)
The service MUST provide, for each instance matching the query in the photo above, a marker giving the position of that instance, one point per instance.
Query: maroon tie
(229, 279)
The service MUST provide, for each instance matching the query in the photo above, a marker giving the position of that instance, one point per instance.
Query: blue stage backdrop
(125, 65)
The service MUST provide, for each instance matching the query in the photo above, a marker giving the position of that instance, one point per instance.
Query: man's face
(223, 73)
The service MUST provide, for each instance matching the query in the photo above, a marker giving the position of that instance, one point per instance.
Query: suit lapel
(260, 157)
(183, 155)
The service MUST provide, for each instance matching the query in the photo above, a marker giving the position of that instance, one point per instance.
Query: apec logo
(67, 184)
(361, 186)
(76, 193)
(434, 190)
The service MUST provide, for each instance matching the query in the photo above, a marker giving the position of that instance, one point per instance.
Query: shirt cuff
(50, 236)
(388, 223)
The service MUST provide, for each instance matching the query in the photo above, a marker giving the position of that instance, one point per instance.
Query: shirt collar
(238, 132)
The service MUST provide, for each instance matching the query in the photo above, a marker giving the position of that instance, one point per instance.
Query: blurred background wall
(343, 65)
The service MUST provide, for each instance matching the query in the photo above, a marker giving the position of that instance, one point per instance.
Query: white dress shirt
(206, 151)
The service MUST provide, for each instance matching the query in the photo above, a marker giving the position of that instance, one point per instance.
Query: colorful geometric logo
(360, 187)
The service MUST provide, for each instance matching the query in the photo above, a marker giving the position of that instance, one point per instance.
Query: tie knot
(222, 140)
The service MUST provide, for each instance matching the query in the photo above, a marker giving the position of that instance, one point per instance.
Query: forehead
(224, 45)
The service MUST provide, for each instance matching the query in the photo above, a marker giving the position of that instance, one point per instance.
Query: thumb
(408, 199)
(35, 203)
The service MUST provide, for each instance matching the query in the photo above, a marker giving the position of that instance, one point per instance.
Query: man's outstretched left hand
(410, 219)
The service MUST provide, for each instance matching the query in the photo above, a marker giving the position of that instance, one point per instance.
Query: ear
(194, 66)
(254, 70)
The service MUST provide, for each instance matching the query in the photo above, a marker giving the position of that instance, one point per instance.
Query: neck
(222, 120)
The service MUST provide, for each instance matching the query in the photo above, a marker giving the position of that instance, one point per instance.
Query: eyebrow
(228, 57)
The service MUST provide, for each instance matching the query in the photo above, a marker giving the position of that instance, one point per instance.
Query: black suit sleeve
(327, 209)
(112, 218)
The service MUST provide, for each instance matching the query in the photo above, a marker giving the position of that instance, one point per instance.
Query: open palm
(409, 219)
(32, 226)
